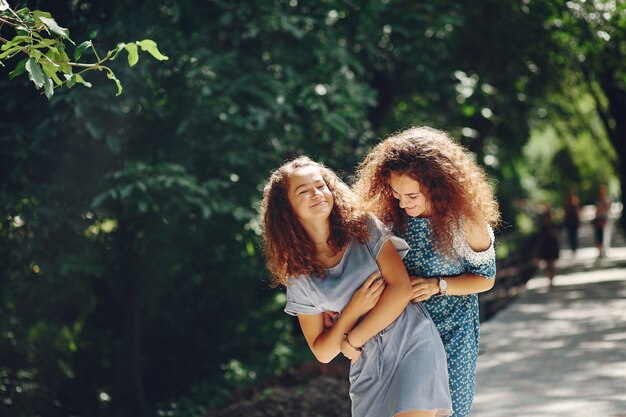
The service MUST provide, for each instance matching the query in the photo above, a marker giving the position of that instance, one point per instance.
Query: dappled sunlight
(558, 352)
(616, 336)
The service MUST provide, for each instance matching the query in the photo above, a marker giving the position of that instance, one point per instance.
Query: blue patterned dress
(456, 317)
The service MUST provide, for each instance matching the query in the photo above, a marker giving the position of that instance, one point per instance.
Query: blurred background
(132, 278)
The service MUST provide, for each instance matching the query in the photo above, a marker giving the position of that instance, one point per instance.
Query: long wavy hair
(456, 187)
(289, 251)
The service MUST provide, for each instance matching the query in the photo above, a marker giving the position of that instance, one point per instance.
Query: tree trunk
(136, 400)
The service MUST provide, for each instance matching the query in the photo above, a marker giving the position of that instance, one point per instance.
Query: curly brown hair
(455, 185)
(289, 251)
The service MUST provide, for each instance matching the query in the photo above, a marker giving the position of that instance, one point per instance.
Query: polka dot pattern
(456, 317)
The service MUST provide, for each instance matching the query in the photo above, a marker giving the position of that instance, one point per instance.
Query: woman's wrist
(356, 348)
(433, 286)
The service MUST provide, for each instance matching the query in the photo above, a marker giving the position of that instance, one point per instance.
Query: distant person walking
(572, 219)
(603, 205)
(548, 244)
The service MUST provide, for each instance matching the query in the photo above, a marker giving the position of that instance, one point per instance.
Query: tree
(592, 39)
(138, 212)
(38, 36)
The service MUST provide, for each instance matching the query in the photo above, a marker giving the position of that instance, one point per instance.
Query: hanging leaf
(70, 80)
(19, 68)
(45, 43)
(35, 74)
(50, 69)
(53, 26)
(48, 87)
(133, 56)
(10, 52)
(150, 47)
(38, 13)
(80, 80)
(78, 52)
(111, 76)
(118, 48)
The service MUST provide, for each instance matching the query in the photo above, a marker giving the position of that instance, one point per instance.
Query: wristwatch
(443, 286)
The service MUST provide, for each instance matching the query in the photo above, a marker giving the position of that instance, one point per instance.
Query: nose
(317, 193)
(402, 201)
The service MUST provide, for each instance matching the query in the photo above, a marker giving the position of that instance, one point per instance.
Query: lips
(318, 203)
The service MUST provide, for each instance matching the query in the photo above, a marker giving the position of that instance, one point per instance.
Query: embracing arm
(393, 300)
(325, 342)
(464, 284)
(477, 236)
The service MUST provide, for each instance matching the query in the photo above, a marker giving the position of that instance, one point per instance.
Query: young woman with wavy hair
(433, 194)
(333, 257)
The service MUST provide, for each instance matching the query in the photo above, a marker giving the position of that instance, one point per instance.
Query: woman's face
(309, 195)
(410, 195)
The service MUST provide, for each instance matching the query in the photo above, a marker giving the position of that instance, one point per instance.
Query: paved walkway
(561, 352)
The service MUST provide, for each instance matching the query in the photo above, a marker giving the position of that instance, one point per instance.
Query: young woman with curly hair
(331, 256)
(431, 192)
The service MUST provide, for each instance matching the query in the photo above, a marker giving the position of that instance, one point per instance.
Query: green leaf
(10, 51)
(54, 27)
(133, 56)
(118, 48)
(40, 13)
(143, 206)
(46, 43)
(81, 80)
(126, 191)
(60, 58)
(50, 69)
(35, 74)
(15, 41)
(78, 52)
(19, 69)
(70, 80)
(99, 199)
(150, 46)
(48, 87)
(111, 76)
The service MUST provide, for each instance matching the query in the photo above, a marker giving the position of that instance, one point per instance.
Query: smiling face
(308, 194)
(410, 195)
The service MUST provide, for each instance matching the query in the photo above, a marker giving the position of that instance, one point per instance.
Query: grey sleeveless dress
(403, 367)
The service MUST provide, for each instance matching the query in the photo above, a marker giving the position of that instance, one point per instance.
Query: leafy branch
(42, 43)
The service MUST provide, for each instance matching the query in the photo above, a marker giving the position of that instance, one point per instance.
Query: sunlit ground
(560, 352)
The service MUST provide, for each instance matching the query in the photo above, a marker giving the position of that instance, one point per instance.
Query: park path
(561, 352)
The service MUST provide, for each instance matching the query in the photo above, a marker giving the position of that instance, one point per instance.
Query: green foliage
(38, 36)
(568, 150)
(587, 104)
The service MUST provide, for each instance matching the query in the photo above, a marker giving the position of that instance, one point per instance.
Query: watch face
(443, 285)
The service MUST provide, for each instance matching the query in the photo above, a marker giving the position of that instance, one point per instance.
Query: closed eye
(410, 196)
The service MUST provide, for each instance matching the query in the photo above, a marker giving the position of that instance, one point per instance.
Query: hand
(423, 288)
(366, 297)
(329, 319)
(349, 352)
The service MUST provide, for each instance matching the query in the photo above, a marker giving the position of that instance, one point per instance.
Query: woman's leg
(550, 272)
(572, 234)
(421, 413)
